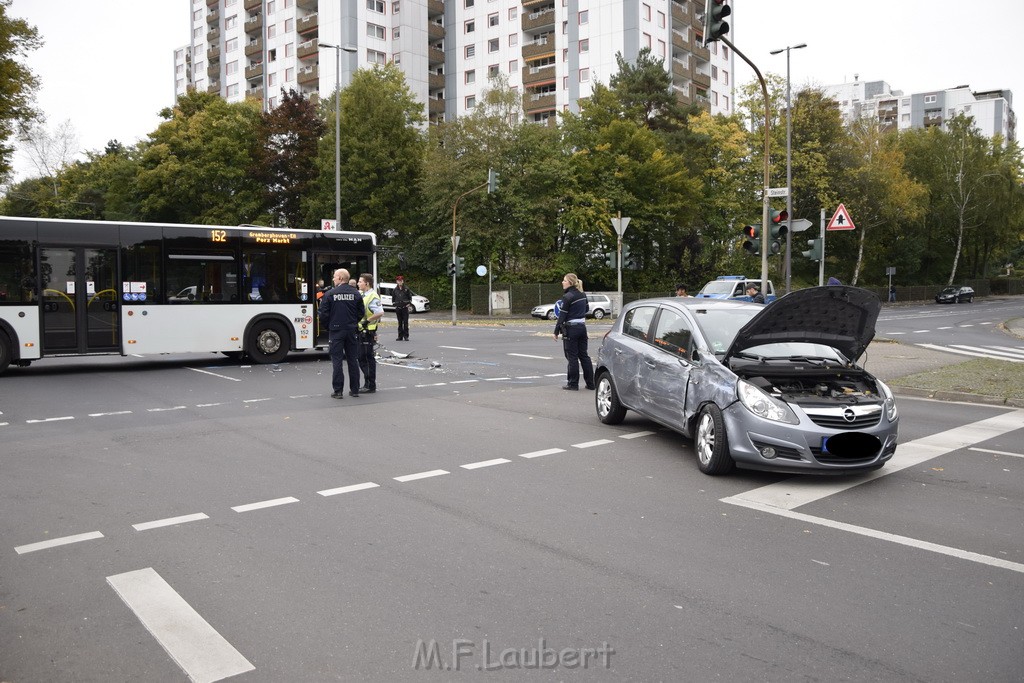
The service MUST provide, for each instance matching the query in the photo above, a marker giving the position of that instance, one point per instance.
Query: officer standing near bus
(372, 313)
(341, 309)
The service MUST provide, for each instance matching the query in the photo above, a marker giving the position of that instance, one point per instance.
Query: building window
(469, 26)
(725, 77)
(513, 66)
(725, 51)
(271, 7)
(584, 17)
(229, 3)
(492, 19)
(585, 44)
(231, 21)
(289, 25)
(725, 101)
(565, 27)
(395, 32)
(271, 30)
(469, 3)
(513, 13)
(492, 45)
(470, 101)
(565, 54)
(179, 84)
(661, 48)
(200, 85)
(200, 67)
(647, 12)
(565, 82)
(289, 75)
(513, 39)
(930, 99)
(375, 31)
(271, 80)
(470, 77)
(714, 72)
(289, 49)
(197, 32)
(232, 90)
(231, 68)
(661, 20)
(272, 55)
(197, 15)
(395, 6)
(287, 4)
(470, 51)
(492, 71)
(397, 58)
(584, 75)
(375, 57)
(714, 98)
(231, 45)
(273, 102)
(647, 40)
(375, 6)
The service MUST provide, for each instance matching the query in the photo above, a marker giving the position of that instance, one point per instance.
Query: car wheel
(551, 314)
(609, 410)
(5, 352)
(599, 313)
(711, 443)
(970, 299)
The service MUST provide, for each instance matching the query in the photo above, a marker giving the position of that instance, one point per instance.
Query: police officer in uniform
(341, 309)
(373, 311)
(572, 324)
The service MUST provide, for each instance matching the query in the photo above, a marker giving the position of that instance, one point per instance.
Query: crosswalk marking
(1012, 354)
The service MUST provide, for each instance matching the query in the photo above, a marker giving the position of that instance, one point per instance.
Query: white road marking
(555, 374)
(464, 381)
(537, 454)
(947, 327)
(985, 323)
(635, 435)
(170, 521)
(457, 348)
(4, 424)
(348, 489)
(797, 491)
(50, 419)
(306, 396)
(529, 377)
(973, 354)
(164, 410)
(967, 325)
(497, 379)
(591, 444)
(264, 504)
(195, 646)
(214, 374)
(920, 331)
(421, 475)
(484, 463)
(54, 542)
(436, 384)
(893, 334)
(208, 405)
(991, 350)
(118, 412)
(989, 450)
(256, 400)
(526, 355)
(885, 536)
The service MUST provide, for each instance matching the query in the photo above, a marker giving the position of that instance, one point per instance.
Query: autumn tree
(286, 160)
(17, 82)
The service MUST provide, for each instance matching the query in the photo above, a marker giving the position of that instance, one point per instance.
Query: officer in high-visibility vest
(373, 312)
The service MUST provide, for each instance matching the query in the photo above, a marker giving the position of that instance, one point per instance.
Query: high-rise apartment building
(992, 111)
(551, 51)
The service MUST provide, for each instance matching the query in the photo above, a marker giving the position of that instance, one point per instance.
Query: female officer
(572, 325)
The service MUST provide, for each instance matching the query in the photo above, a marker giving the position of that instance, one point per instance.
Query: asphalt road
(182, 517)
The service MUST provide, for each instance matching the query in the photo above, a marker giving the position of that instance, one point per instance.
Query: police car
(734, 287)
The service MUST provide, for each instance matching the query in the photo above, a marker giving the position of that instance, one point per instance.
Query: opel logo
(849, 415)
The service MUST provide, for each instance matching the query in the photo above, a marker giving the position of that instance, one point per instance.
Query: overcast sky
(108, 65)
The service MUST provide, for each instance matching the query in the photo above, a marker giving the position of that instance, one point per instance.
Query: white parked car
(420, 304)
(598, 306)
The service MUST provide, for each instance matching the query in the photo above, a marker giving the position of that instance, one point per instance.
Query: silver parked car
(765, 387)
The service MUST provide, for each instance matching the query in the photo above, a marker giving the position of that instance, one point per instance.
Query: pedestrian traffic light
(451, 270)
(715, 25)
(752, 239)
(460, 265)
(815, 251)
(627, 261)
(492, 180)
(609, 259)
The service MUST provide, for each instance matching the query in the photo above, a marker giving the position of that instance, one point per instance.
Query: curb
(958, 396)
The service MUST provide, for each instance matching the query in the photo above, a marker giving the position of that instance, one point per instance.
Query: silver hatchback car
(764, 387)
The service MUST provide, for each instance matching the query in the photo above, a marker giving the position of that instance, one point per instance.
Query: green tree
(17, 82)
(286, 161)
(102, 187)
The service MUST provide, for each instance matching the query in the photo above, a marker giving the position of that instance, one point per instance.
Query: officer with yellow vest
(373, 312)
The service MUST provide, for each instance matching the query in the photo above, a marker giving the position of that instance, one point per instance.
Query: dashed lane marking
(349, 489)
(635, 435)
(164, 410)
(537, 454)
(457, 348)
(214, 374)
(421, 475)
(256, 400)
(54, 542)
(195, 646)
(526, 355)
(116, 412)
(265, 504)
(170, 521)
(484, 463)
(591, 444)
(50, 419)
(989, 450)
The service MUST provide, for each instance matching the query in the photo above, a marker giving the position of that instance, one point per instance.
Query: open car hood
(838, 316)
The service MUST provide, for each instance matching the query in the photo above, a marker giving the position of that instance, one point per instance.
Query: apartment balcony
(538, 102)
(210, 3)
(683, 93)
(434, 8)
(681, 41)
(213, 35)
(213, 53)
(253, 47)
(932, 120)
(307, 49)
(538, 74)
(698, 50)
(307, 24)
(308, 74)
(254, 24)
(435, 106)
(702, 79)
(213, 16)
(213, 70)
(435, 56)
(312, 96)
(214, 87)
(535, 3)
(254, 92)
(539, 48)
(254, 71)
(435, 31)
(435, 81)
(886, 112)
(252, 4)
(542, 18)
(680, 70)
(679, 14)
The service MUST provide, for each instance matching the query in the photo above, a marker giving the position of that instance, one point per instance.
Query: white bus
(76, 288)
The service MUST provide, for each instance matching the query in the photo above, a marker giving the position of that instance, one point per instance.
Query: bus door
(79, 300)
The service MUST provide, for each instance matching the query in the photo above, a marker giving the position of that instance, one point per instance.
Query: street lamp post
(789, 159)
(337, 130)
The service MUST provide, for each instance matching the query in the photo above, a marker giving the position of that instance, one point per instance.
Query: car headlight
(890, 400)
(761, 404)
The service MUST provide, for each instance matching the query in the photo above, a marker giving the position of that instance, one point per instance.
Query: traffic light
(715, 25)
(778, 228)
(609, 259)
(815, 251)
(627, 262)
(460, 265)
(451, 270)
(492, 181)
(752, 239)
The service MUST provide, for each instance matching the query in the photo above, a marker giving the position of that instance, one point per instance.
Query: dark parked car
(955, 295)
(765, 387)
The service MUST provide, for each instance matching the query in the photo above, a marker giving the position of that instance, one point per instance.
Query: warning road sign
(841, 220)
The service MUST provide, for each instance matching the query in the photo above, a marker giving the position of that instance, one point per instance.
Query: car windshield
(720, 325)
(949, 290)
(719, 287)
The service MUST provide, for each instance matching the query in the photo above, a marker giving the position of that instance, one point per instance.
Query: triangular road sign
(841, 220)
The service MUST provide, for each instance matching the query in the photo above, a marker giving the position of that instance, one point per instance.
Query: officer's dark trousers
(574, 343)
(345, 349)
(367, 361)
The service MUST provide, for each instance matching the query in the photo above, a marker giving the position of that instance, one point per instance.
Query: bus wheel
(268, 342)
(5, 352)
